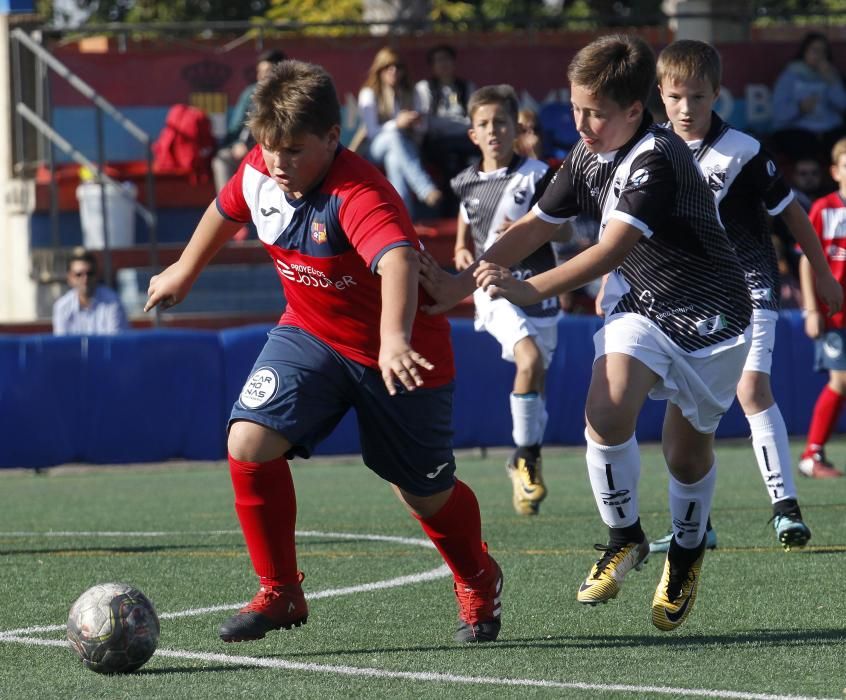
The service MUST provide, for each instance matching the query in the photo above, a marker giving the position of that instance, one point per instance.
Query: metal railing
(40, 119)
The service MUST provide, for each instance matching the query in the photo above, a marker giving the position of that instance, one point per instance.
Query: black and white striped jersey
(747, 186)
(487, 199)
(683, 274)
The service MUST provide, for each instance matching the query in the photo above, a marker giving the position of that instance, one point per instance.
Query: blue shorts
(301, 388)
(830, 350)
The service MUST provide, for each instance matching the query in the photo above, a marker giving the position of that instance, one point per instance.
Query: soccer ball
(113, 628)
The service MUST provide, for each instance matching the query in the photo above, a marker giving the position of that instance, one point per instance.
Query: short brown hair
(296, 98)
(687, 59)
(617, 66)
(494, 95)
(838, 151)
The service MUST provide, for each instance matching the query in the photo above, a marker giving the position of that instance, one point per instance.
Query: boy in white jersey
(746, 184)
(676, 309)
(493, 192)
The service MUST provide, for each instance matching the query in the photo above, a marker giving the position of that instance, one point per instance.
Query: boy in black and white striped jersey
(747, 186)
(493, 192)
(676, 307)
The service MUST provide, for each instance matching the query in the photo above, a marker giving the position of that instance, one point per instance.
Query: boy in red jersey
(346, 253)
(828, 217)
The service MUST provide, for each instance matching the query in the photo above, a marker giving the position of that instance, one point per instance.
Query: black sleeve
(559, 197)
(647, 196)
(762, 178)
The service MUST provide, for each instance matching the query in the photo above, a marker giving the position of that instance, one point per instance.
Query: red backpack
(185, 144)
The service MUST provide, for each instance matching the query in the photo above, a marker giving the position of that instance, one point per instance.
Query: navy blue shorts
(830, 351)
(302, 388)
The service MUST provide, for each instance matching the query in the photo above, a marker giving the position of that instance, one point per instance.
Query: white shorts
(509, 325)
(760, 358)
(703, 387)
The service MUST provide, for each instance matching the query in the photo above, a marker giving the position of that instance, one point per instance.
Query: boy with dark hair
(443, 102)
(352, 335)
(825, 324)
(492, 193)
(747, 187)
(675, 303)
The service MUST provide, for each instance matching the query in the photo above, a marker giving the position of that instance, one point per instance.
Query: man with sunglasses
(87, 308)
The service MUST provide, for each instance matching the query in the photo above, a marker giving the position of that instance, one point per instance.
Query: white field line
(429, 676)
(21, 636)
(440, 572)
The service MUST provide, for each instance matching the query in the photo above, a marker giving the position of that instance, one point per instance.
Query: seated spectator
(442, 100)
(808, 102)
(806, 181)
(238, 140)
(394, 129)
(529, 142)
(88, 308)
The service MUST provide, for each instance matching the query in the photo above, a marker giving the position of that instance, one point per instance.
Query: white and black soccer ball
(113, 628)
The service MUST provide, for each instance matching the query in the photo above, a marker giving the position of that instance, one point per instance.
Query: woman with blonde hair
(389, 114)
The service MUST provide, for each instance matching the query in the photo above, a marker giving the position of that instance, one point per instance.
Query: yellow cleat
(605, 578)
(676, 593)
(527, 482)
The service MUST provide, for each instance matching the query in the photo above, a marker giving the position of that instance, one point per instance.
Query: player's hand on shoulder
(167, 288)
(438, 284)
(401, 364)
(830, 292)
(498, 281)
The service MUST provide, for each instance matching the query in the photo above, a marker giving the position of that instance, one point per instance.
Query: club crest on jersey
(771, 168)
(318, 232)
(519, 196)
(638, 179)
(716, 178)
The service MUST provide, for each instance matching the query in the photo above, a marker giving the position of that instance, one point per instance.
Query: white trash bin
(120, 209)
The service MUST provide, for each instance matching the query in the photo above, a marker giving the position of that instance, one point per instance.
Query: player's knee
(251, 442)
(608, 423)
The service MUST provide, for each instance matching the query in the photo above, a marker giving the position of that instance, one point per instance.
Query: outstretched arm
(523, 237)
(828, 288)
(617, 241)
(173, 284)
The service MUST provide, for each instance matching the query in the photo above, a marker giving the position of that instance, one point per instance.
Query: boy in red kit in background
(828, 217)
(346, 253)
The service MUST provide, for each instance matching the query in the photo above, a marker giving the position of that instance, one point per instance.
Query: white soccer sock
(772, 450)
(527, 416)
(614, 471)
(690, 506)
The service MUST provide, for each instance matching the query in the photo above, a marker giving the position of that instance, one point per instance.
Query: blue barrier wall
(153, 395)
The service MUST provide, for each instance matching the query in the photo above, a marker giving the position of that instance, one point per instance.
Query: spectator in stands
(806, 181)
(529, 142)
(87, 308)
(238, 140)
(442, 100)
(809, 101)
(393, 128)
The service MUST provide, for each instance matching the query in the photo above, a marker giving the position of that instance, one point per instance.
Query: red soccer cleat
(272, 608)
(814, 465)
(479, 607)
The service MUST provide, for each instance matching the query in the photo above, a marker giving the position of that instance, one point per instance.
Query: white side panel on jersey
(268, 205)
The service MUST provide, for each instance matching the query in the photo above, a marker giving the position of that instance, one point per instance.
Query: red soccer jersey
(326, 246)
(828, 217)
